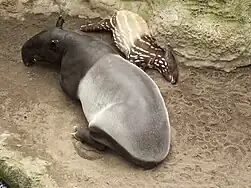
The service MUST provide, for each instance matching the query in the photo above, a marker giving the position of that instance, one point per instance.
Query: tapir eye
(34, 60)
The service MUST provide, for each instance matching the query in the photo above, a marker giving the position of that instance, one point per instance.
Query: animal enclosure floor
(210, 114)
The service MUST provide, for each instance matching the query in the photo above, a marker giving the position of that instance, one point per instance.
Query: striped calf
(132, 36)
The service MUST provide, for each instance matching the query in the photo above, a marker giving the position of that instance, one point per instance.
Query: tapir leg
(68, 87)
(103, 25)
(83, 134)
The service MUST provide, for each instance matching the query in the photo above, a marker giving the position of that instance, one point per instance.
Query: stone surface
(206, 33)
(19, 170)
(213, 33)
(210, 115)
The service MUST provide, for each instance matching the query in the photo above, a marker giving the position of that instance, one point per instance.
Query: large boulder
(212, 33)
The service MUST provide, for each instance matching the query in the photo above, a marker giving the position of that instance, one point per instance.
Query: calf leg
(103, 25)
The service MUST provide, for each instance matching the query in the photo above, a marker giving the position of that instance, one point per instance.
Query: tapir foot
(103, 25)
(83, 134)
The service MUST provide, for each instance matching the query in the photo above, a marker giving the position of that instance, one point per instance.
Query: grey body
(127, 106)
(122, 104)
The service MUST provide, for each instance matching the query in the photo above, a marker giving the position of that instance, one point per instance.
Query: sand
(210, 114)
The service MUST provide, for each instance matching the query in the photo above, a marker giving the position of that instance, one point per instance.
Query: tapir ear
(53, 45)
(60, 22)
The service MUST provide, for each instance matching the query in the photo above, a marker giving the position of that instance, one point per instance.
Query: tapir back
(122, 101)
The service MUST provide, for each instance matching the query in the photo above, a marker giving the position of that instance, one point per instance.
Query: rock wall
(212, 33)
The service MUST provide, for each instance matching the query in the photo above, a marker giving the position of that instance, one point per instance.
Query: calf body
(122, 104)
(132, 36)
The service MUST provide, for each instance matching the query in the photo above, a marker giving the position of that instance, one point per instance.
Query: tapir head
(43, 47)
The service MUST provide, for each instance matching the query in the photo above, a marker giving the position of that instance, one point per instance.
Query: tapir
(122, 104)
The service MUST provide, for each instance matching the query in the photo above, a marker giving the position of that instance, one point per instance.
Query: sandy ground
(210, 113)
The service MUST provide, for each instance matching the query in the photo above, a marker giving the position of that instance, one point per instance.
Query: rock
(20, 171)
(205, 34)
(213, 33)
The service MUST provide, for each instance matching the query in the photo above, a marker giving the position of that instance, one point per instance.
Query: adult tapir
(122, 104)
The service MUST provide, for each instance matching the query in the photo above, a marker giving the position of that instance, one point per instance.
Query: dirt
(210, 113)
